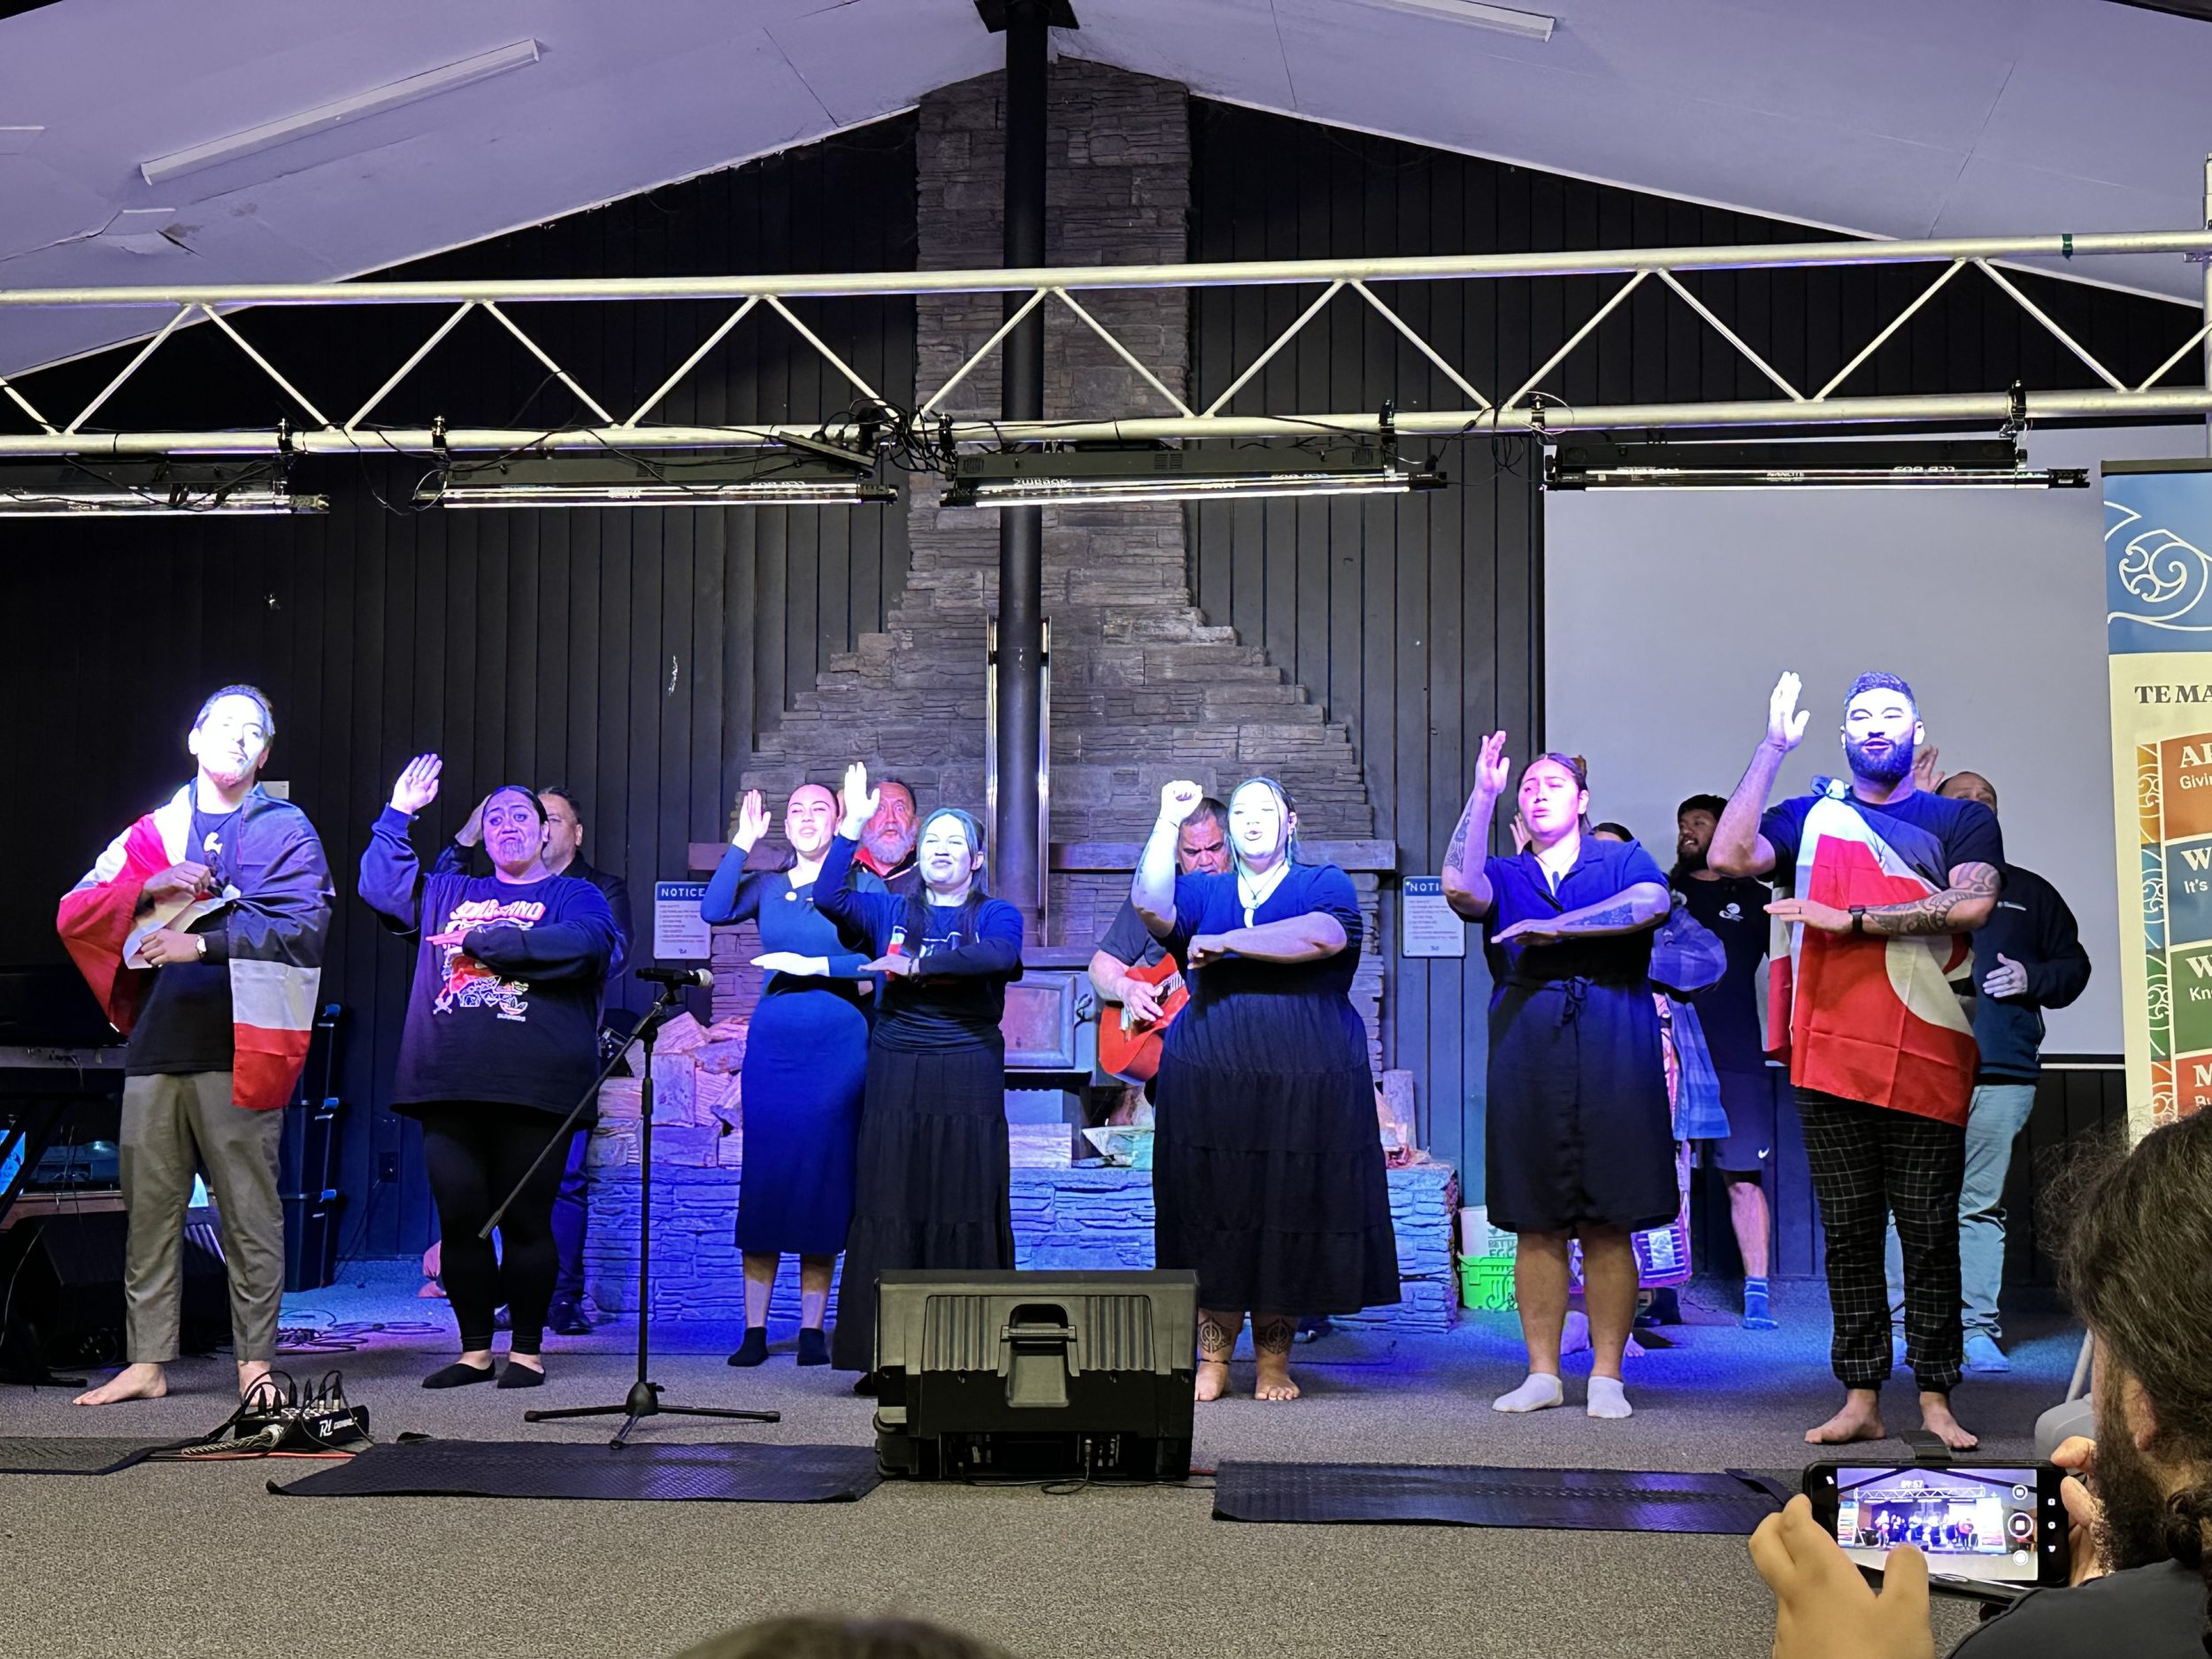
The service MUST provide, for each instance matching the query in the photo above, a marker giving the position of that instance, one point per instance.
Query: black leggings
(474, 1152)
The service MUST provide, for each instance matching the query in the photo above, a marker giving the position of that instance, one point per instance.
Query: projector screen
(1669, 614)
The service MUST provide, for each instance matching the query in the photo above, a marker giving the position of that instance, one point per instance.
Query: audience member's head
(823, 1638)
(1609, 831)
(2134, 1224)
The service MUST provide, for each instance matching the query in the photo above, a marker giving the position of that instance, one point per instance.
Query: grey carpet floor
(199, 1560)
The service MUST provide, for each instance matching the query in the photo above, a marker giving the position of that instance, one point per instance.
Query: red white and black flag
(1872, 1019)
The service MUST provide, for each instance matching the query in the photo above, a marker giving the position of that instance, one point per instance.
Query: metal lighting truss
(1511, 412)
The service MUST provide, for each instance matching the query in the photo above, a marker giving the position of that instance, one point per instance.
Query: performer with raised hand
(1579, 1137)
(501, 1039)
(806, 1063)
(934, 1169)
(1267, 1171)
(1889, 881)
(201, 932)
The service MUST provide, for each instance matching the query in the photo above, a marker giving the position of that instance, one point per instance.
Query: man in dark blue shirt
(1886, 880)
(1734, 908)
(2028, 958)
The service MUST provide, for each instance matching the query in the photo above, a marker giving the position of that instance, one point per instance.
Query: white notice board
(1427, 927)
(679, 934)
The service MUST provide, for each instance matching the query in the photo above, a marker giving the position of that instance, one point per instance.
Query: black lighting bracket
(1059, 14)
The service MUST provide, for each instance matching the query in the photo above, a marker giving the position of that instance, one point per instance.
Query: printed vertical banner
(2158, 627)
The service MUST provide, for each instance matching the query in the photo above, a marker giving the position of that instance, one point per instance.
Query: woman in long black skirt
(1267, 1167)
(1578, 1136)
(934, 1172)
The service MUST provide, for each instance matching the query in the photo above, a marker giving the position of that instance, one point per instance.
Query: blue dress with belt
(1578, 1130)
(806, 1063)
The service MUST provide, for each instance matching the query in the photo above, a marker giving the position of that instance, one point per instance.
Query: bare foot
(1213, 1378)
(1935, 1416)
(1274, 1380)
(132, 1382)
(1860, 1419)
(253, 1374)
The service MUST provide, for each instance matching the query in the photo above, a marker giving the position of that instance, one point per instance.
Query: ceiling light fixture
(148, 489)
(1031, 478)
(1972, 464)
(808, 476)
(1530, 25)
(395, 94)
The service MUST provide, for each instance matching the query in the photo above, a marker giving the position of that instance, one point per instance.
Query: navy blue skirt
(806, 1063)
(1577, 1131)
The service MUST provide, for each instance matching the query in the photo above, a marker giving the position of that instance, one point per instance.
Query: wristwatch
(199, 942)
(1858, 921)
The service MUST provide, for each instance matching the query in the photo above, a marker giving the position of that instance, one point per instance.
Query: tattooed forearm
(1466, 883)
(1591, 921)
(1959, 907)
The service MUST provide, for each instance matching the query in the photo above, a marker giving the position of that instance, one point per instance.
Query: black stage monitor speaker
(1033, 1376)
(61, 1290)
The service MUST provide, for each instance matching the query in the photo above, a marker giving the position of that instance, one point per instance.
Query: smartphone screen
(1973, 1522)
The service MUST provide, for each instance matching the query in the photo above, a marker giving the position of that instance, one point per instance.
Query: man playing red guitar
(1122, 966)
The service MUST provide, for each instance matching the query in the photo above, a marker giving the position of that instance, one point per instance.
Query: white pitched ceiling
(1886, 118)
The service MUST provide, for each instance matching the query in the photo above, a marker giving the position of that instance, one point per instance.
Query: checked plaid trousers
(1868, 1164)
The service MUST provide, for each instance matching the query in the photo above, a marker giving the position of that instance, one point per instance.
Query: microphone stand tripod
(645, 1397)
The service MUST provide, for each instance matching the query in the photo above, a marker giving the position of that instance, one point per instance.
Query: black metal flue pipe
(1017, 855)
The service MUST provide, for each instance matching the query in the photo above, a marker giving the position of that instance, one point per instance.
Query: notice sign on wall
(679, 934)
(1427, 927)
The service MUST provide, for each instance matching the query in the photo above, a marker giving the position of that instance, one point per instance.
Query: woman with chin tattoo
(502, 1038)
(934, 1170)
(806, 1061)
(1267, 1167)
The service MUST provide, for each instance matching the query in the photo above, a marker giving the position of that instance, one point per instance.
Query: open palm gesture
(417, 785)
(1785, 721)
(753, 821)
(1494, 768)
(860, 800)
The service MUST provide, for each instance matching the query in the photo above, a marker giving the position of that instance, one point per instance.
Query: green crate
(1485, 1283)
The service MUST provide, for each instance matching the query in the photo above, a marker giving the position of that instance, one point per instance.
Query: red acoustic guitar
(1130, 1049)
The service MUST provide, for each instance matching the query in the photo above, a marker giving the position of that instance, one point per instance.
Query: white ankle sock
(1608, 1398)
(1540, 1390)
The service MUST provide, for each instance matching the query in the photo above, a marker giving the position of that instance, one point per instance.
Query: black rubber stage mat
(1581, 1500)
(571, 1469)
(70, 1455)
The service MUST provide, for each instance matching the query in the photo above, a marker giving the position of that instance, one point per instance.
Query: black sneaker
(565, 1317)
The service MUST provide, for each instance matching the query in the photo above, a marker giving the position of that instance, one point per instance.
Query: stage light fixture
(1968, 464)
(1067, 478)
(776, 476)
(395, 95)
(162, 489)
(1530, 25)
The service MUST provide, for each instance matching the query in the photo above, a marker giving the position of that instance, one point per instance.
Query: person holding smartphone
(2139, 1499)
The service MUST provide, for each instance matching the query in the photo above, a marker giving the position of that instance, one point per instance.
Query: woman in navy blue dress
(1579, 1140)
(1267, 1166)
(934, 1176)
(806, 1060)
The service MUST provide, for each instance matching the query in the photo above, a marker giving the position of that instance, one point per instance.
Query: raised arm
(1153, 889)
(1466, 883)
(732, 896)
(1738, 848)
(391, 874)
(834, 896)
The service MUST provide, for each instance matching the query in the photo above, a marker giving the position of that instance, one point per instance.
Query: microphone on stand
(700, 977)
